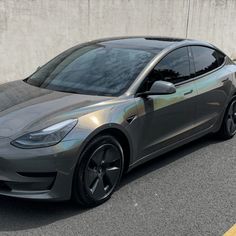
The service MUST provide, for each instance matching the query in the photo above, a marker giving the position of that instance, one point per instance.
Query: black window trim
(191, 60)
(207, 73)
(177, 84)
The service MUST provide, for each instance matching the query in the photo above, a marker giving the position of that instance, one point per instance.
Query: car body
(146, 126)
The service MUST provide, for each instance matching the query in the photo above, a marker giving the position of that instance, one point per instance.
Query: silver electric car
(71, 129)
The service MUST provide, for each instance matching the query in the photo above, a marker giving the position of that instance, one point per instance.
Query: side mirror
(160, 88)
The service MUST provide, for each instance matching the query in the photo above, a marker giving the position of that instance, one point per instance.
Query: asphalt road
(190, 191)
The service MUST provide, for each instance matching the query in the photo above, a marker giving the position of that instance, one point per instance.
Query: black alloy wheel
(228, 127)
(231, 119)
(99, 172)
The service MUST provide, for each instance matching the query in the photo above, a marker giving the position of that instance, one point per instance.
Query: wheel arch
(230, 99)
(118, 132)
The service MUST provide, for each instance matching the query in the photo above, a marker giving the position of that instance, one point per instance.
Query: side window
(206, 59)
(173, 68)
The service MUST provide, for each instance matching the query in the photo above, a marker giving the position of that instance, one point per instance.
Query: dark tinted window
(220, 58)
(206, 59)
(94, 69)
(173, 68)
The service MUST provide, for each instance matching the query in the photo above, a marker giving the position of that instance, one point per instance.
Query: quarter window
(206, 59)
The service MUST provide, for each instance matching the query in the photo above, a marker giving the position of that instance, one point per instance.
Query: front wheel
(99, 171)
(228, 127)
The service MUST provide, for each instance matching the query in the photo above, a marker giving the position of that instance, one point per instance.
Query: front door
(167, 119)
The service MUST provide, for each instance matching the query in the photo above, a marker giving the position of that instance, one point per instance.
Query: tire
(99, 171)
(228, 126)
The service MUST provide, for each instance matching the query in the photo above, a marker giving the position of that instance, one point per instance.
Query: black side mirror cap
(159, 88)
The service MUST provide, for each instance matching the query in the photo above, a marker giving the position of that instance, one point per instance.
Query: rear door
(213, 85)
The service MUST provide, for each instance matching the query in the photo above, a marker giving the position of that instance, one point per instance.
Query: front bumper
(42, 173)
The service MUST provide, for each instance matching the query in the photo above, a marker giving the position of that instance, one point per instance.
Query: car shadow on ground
(18, 214)
(168, 158)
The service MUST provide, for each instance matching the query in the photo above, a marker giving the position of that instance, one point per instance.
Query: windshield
(93, 69)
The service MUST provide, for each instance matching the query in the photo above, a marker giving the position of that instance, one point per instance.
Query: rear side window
(206, 59)
(174, 67)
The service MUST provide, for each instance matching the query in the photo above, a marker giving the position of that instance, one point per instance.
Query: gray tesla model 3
(97, 110)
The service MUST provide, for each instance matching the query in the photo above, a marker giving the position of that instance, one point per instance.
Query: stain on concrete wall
(34, 31)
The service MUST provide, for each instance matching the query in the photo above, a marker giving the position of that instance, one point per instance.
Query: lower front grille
(38, 174)
(4, 187)
(35, 182)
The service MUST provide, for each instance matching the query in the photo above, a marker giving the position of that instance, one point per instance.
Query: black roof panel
(154, 44)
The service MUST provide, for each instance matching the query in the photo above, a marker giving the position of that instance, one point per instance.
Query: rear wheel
(99, 171)
(228, 127)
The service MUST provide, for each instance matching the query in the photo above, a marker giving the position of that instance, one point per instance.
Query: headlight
(46, 137)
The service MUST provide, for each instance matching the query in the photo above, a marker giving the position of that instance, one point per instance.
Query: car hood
(24, 106)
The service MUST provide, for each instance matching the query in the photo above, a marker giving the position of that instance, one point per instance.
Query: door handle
(224, 80)
(189, 92)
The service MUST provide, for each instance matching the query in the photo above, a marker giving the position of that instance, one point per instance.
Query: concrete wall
(34, 31)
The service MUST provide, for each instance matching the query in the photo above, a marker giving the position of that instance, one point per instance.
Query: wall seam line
(188, 16)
